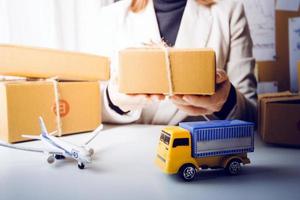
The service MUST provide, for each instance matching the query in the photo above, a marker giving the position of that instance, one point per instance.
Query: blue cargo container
(220, 137)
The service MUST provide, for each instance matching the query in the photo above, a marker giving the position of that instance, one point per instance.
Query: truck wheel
(187, 172)
(233, 167)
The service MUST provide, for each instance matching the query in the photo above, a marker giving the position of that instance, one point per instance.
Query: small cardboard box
(279, 118)
(47, 63)
(22, 102)
(145, 70)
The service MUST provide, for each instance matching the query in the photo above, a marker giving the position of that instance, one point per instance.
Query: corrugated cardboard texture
(46, 63)
(145, 71)
(3, 113)
(279, 118)
(24, 102)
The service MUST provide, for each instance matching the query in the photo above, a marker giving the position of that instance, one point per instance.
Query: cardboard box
(144, 70)
(22, 102)
(279, 118)
(46, 63)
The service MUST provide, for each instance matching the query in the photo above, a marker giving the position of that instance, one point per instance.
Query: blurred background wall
(63, 24)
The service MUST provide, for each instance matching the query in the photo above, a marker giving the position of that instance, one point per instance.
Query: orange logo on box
(64, 108)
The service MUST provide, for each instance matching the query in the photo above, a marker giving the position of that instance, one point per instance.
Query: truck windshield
(165, 137)
(181, 142)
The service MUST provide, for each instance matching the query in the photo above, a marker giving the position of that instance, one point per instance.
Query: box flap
(288, 101)
(276, 97)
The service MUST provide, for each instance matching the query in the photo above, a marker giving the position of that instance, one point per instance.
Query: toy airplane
(61, 149)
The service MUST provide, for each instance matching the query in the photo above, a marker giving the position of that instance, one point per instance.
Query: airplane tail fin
(44, 131)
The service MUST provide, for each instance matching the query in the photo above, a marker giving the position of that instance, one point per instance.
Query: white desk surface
(124, 168)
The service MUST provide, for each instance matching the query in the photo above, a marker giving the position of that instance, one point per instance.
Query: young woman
(220, 25)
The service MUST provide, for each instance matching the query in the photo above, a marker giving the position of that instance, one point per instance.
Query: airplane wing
(30, 149)
(94, 134)
(53, 133)
(37, 137)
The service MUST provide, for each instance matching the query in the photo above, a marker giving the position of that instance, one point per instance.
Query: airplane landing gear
(50, 159)
(59, 157)
(81, 165)
(91, 151)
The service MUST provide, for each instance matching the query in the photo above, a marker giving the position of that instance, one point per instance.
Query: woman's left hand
(196, 105)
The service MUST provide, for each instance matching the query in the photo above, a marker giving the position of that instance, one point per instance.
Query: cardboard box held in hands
(177, 71)
(279, 118)
(22, 102)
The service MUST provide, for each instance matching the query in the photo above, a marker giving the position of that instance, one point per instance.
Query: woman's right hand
(130, 102)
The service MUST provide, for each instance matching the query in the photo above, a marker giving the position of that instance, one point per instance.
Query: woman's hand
(130, 102)
(196, 105)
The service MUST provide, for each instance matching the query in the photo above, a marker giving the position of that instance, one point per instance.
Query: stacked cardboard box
(146, 70)
(47, 63)
(279, 118)
(23, 101)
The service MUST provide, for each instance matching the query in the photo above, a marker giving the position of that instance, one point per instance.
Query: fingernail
(185, 98)
(172, 97)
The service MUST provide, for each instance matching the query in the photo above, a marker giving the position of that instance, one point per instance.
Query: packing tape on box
(52, 80)
(165, 48)
(169, 70)
(56, 102)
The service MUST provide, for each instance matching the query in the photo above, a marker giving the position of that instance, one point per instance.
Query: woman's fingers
(199, 100)
(221, 76)
(153, 97)
(192, 104)
(208, 102)
(192, 110)
(132, 102)
(157, 97)
(178, 99)
(214, 102)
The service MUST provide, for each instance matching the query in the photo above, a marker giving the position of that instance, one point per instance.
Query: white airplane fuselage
(59, 148)
(69, 150)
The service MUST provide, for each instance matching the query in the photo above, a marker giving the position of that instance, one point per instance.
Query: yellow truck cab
(191, 146)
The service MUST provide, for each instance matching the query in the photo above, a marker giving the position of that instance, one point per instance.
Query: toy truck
(192, 146)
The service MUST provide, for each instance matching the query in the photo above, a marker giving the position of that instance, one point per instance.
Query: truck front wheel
(187, 172)
(233, 167)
